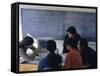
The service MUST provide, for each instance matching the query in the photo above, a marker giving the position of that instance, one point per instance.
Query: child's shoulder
(73, 53)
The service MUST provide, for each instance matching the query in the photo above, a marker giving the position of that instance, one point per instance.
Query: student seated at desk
(88, 54)
(73, 57)
(26, 43)
(52, 61)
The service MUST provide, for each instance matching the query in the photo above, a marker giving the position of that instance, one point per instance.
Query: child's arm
(35, 50)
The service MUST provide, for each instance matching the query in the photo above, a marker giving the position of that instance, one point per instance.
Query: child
(73, 58)
(89, 55)
(52, 61)
(26, 43)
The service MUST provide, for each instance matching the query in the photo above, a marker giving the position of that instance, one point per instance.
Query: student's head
(71, 31)
(72, 44)
(27, 41)
(51, 46)
(82, 43)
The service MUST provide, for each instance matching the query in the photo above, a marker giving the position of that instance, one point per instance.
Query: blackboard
(52, 23)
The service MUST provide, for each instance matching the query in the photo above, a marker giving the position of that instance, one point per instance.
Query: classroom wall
(40, 23)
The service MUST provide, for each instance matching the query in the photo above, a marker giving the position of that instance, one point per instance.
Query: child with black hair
(73, 57)
(89, 56)
(52, 61)
(24, 45)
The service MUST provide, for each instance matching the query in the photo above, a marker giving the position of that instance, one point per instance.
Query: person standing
(71, 33)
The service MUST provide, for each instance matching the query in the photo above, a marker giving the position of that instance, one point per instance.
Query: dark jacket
(50, 62)
(22, 46)
(89, 56)
(76, 37)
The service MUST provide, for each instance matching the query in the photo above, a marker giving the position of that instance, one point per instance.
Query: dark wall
(85, 24)
(40, 23)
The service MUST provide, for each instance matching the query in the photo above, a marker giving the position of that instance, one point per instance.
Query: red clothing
(73, 60)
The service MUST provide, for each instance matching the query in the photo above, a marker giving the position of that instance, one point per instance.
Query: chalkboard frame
(15, 32)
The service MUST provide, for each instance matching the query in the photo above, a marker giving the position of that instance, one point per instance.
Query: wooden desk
(28, 67)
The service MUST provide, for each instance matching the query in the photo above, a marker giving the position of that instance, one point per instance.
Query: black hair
(51, 46)
(72, 30)
(83, 42)
(26, 41)
(72, 43)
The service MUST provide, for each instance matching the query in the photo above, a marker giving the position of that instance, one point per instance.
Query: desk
(28, 67)
(33, 65)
